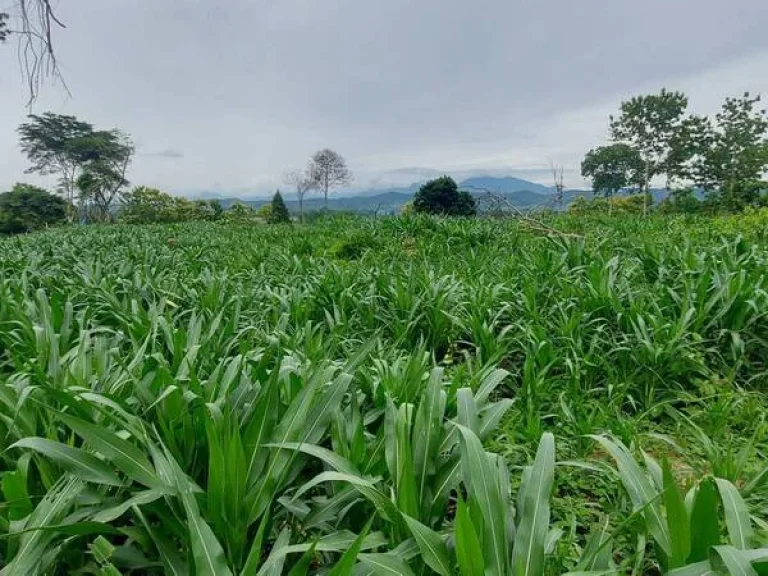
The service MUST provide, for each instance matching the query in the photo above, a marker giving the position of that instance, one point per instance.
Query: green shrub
(442, 196)
(27, 208)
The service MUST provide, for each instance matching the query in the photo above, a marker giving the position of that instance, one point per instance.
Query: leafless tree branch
(500, 206)
(36, 20)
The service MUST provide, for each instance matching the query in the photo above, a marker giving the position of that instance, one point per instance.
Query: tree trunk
(301, 208)
(647, 185)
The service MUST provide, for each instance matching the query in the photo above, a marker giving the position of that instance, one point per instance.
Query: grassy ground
(157, 382)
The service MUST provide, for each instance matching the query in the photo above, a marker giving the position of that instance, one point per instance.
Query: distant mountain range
(520, 193)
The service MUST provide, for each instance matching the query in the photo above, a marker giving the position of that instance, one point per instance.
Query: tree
(3, 26)
(68, 147)
(301, 180)
(327, 170)
(652, 124)
(613, 168)
(442, 196)
(217, 210)
(734, 156)
(557, 175)
(26, 208)
(279, 212)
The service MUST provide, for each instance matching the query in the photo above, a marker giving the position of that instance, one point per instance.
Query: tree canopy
(327, 170)
(442, 196)
(613, 168)
(27, 208)
(93, 162)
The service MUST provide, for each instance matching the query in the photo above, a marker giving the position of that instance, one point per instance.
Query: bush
(27, 208)
(354, 246)
(615, 205)
(442, 196)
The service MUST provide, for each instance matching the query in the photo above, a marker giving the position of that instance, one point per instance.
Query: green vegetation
(442, 196)
(406, 395)
(278, 213)
(27, 208)
(654, 137)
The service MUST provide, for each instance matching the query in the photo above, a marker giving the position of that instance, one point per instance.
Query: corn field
(385, 397)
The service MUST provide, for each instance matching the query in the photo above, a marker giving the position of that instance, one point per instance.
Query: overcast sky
(227, 95)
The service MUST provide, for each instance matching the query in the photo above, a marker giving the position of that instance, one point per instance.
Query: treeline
(707, 164)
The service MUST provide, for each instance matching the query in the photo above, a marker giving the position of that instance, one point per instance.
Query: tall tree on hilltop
(69, 148)
(652, 124)
(734, 158)
(613, 168)
(327, 170)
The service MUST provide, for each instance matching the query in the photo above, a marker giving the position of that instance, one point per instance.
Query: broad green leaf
(640, 490)
(347, 562)
(480, 479)
(79, 462)
(126, 456)
(533, 512)
(677, 519)
(731, 560)
(469, 552)
(386, 565)
(433, 548)
(705, 521)
(736, 515)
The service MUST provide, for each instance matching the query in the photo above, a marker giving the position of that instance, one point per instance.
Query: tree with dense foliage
(734, 155)
(144, 205)
(442, 196)
(613, 168)
(70, 148)
(26, 208)
(652, 124)
(301, 180)
(327, 170)
(279, 212)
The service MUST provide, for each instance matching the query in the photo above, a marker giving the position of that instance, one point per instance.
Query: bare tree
(557, 175)
(301, 180)
(33, 22)
(328, 169)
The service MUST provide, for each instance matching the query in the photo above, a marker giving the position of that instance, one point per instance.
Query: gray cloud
(248, 88)
(168, 153)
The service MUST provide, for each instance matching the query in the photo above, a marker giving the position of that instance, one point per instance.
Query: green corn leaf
(703, 568)
(432, 546)
(79, 462)
(705, 521)
(736, 515)
(731, 560)
(253, 561)
(386, 565)
(346, 563)
(480, 478)
(597, 553)
(49, 512)
(677, 519)
(302, 566)
(126, 456)
(533, 520)
(469, 552)
(640, 490)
